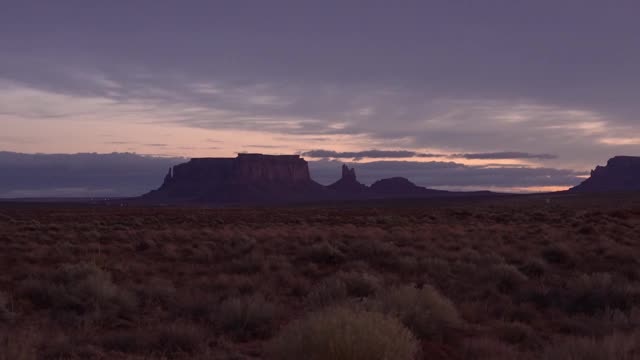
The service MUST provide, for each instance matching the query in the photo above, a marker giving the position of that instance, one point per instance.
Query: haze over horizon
(499, 95)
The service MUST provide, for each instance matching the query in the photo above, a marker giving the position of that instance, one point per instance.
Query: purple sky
(458, 79)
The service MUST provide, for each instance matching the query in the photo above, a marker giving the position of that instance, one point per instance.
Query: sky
(546, 88)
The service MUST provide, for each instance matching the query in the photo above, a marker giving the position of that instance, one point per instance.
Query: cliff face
(246, 177)
(622, 173)
(258, 168)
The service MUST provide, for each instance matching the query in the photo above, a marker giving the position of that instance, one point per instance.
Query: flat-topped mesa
(250, 168)
(622, 173)
(244, 177)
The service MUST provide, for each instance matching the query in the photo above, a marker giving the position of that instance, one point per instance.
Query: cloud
(88, 174)
(401, 154)
(505, 155)
(569, 90)
(372, 154)
(394, 116)
(262, 146)
(156, 145)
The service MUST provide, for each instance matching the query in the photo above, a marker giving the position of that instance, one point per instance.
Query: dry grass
(501, 279)
(425, 311)
(344, 334)
(616, 346)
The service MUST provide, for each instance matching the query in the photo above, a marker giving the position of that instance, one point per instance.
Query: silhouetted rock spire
(348, 183)
(348, 174)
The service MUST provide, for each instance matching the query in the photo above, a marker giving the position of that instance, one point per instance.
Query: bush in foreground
(5, 314)
(344, 334)
(247, 317)
(617, 346)
(425, 311)
(81, 289)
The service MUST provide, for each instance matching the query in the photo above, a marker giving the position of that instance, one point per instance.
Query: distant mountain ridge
(272, 178)
(622, 173)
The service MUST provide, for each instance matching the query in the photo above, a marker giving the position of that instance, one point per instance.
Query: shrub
(533, 268)
(375, 251)
(590, 294)
(480, 348)
(425, 311)
(6, 315)
(616, 346)
(556, 254)
(507, 277)
(247, 264)
(344, 334)
(325, 253)
(515, 333)
(360, 284)
(19, 344)
(329, 291)
(169, 340)
(156, 291)
(82, 289)
(247, 317)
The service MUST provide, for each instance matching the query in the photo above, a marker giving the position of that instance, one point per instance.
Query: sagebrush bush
(82, 289)
(329, 291)
(344, 334)
(6, 315)
(613, 347)
(360, 284)
(533, 268)
(482, 348)
(176, 338)
(515, 333)
(557, 254)
(594, 293)
(247, 317)
(19, 344)
(425, 311)
(156, 291)
(506, 277)
(325, 253)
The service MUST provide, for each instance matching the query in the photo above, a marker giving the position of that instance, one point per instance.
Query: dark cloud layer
(372, 154)
(505, 156)
(390, 154)
(85, 175)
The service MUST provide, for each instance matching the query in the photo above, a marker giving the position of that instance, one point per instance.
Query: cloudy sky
(545, 88)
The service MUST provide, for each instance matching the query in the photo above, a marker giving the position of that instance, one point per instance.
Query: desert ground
(535, 277)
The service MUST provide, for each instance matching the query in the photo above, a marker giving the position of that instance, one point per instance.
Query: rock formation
(257, 178)
(401, 187)
(348, 183)
(244, 178)
(622, 173)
